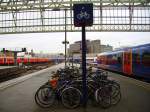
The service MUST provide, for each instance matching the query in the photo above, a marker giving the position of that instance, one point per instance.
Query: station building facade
(93, 47)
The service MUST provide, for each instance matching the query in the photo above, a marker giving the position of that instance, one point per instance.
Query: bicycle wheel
(71, 97)
(45, 96)
(91, 91)
(116, 99)
(103, 97)
(115, 92)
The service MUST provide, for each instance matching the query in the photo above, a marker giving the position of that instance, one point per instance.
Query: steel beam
(103, 21)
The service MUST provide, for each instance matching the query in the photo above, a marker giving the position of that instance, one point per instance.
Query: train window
(136, 57)
(146, 58)
(119, 58)
(114, 57)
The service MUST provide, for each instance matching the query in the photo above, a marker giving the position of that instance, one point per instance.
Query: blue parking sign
(83, 14)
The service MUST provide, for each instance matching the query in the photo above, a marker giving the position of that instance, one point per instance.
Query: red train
(32, 60)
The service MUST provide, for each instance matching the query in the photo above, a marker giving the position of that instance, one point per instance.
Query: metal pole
(65, 39)
(72, 60)
(84, 66)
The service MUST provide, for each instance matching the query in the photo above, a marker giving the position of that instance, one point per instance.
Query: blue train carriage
(110, 60)
(132, 61)
(91, 61)
(75, 59)
(141, 61)
(101, 60)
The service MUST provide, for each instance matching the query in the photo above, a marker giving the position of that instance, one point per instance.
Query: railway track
(10, 73)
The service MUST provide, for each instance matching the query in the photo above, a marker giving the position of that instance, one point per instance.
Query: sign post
(83, 16)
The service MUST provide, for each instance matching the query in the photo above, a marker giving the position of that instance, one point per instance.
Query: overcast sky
(52, 42)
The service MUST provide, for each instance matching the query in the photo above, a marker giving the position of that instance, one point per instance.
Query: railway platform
(6, 67)
(18, 95)
(5, 71)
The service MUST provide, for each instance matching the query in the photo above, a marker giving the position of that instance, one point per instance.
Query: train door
(127, 62)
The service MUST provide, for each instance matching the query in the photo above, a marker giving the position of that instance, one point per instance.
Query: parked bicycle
(65, 85)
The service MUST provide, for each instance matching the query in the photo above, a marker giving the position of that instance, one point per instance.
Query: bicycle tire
(71, 97)
(116, 99)
(103, 97)
(44, 98)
